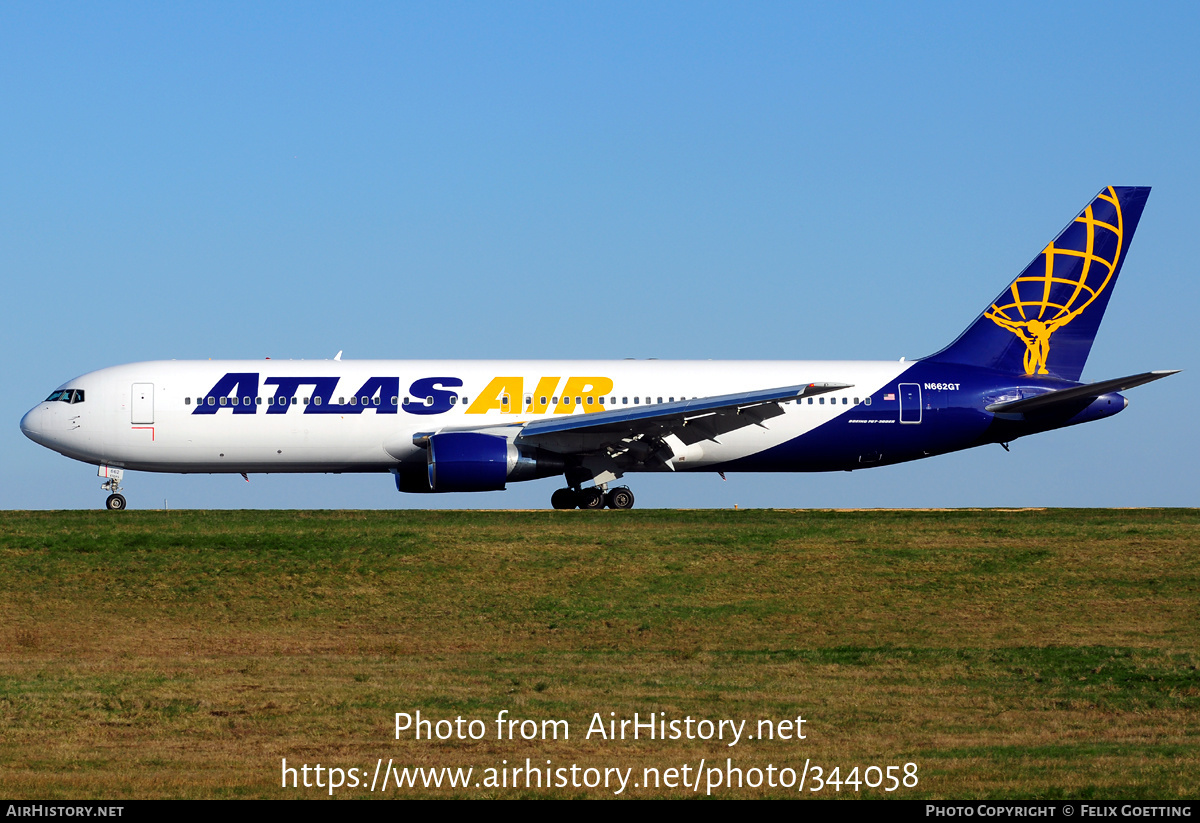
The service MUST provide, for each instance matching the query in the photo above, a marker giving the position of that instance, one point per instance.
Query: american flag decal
(889, 397)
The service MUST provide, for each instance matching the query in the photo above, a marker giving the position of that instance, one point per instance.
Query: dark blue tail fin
(1046, 320)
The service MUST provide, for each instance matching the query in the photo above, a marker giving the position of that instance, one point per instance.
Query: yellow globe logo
(1071, 279)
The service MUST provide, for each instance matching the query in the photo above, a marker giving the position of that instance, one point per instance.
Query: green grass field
(1025, 654)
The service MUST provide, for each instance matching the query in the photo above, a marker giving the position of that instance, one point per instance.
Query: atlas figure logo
(1044, 301)
(239, 393)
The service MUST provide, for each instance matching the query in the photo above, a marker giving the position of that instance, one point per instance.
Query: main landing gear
(115, 502)
(592, 498)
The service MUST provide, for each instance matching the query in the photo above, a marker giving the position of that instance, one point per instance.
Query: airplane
(466, 426)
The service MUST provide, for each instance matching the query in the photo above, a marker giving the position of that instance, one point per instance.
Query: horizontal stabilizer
(1089, 390)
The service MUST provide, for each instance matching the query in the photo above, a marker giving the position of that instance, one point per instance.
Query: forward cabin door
(143, 403)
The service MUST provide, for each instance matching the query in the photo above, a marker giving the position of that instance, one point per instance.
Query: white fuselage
(309, 415)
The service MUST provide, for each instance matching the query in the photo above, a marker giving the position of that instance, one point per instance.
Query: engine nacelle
(412, 478)
(477, 462)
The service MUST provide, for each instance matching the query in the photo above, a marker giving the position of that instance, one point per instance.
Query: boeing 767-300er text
(464, 426)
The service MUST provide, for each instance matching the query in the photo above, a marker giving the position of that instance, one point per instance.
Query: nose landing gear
(115, 501)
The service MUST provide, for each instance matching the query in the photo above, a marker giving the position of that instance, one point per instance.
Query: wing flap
(706, 417)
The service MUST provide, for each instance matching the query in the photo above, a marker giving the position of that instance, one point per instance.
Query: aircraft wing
(614, 441)
(704, 415)
(1045, 401)
(621, 437)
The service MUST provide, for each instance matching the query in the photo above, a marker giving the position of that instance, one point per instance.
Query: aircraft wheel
(620, 498)
(115, 503)
(591, 498)
(563, 499)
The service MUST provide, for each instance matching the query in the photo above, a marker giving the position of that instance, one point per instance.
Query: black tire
(563, 499)
(591, 498)
(620, 498)
(115, 503)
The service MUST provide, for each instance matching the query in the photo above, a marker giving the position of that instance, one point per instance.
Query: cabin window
(187, 401)
(635, 401)
(353, 401)
(306, 401)
(566, 401)
(393, 400)
(224, 401)
(405, 401)
(453, 399)
(624, 401)
(341, 401)
(845, 400)
(660, 400)
(294, 401)
(578, 401)
(591, 400)
(671, 399)
(868, 401)
(258, 401)
(429, 400)
(541, 401)
(375, 400)
(810, 401)
(528, 401)
(316, 401)
(554, 400)
(821, 400)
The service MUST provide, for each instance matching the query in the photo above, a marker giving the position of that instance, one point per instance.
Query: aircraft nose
(33, 424)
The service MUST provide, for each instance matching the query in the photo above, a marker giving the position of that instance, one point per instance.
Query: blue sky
(519, 180)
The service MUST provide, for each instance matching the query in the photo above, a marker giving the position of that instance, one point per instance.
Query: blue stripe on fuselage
(953, 417)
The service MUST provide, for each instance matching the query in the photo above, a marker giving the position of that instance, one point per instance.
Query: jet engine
(476, 462)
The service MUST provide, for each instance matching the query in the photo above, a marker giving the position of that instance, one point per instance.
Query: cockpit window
(67, 396)
(78, 396)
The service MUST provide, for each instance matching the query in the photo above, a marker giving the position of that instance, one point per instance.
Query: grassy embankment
(1009, 654)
